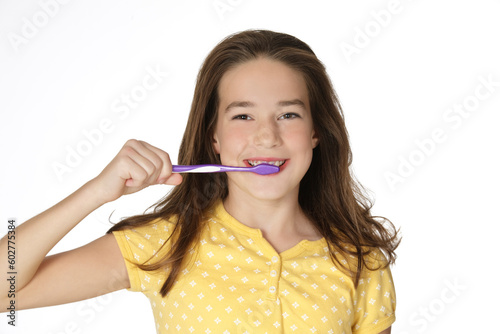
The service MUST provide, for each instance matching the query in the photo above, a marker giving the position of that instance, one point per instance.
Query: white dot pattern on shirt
(238, 283)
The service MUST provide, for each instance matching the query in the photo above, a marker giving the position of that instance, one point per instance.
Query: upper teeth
(258, 162)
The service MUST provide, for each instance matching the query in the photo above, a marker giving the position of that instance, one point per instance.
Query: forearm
(37, 236)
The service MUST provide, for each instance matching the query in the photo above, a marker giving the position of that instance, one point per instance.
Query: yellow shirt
(238, 283)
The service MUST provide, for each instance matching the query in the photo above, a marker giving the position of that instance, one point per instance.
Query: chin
(263, 188)
(269, 195)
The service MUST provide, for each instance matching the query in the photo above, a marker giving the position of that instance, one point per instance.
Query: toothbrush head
(265, 169)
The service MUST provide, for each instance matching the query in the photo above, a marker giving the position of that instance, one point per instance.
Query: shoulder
(151, 229)
(145, 240)
(373, 259)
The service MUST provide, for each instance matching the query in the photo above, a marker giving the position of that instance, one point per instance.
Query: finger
(174, 179)
(146, 158)
(166, 170)
(140, 167)
(133, 173)
(162, 162)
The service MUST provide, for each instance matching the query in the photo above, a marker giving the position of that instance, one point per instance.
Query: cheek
(301, 139)
(230, 144)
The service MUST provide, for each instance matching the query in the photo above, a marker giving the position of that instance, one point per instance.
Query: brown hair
(329, 195)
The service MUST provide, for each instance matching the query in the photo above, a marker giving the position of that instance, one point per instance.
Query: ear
(315, 139)
(215, 143)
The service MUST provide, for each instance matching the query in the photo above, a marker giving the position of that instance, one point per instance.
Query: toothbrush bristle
(265, 169)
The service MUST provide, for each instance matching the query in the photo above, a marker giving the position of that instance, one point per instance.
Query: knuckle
(167, 156)
(128, 150)
(131, 142)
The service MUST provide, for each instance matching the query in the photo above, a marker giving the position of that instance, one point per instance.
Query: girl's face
(264, 116)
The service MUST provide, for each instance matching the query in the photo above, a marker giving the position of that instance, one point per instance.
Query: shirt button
(272, 289)
(274, 259)
(273, 273)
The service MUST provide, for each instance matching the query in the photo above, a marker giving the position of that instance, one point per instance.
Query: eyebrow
(247, 104)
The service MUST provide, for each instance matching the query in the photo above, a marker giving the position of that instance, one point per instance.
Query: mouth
(278, 163)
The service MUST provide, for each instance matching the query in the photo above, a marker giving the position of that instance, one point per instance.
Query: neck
(279, 218)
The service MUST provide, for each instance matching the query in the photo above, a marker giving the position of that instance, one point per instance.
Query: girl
(295, 251)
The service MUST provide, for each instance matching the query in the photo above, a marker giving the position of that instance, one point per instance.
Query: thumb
(174, 179)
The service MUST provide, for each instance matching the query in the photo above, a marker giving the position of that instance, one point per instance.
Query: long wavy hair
(329, 195)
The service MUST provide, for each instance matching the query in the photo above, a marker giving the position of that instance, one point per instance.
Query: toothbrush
(262, 169)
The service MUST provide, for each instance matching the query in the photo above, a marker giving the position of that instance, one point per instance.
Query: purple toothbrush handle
(188, 168)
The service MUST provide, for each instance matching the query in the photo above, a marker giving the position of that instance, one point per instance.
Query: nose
(267, 135)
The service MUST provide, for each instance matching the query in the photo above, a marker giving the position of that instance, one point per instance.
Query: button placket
(274, 276)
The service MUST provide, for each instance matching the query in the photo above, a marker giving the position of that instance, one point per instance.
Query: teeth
(258, 162)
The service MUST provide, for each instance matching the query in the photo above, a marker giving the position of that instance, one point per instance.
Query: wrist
(94, 194)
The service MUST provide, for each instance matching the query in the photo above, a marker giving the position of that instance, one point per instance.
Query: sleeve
(375, 302)
(140, 245)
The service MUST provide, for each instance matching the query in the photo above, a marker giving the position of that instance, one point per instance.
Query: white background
(63, 76)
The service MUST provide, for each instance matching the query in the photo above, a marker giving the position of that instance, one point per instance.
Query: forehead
(262, 81)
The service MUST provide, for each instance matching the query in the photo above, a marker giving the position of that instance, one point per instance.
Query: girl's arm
(387, 331)
(91, 270)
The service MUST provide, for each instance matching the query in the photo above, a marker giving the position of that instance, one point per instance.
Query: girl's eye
(289, 115)
(243, 117)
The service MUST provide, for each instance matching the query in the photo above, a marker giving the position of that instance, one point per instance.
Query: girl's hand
(137, 166)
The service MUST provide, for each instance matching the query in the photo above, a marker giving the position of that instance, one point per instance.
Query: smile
(258, 162)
